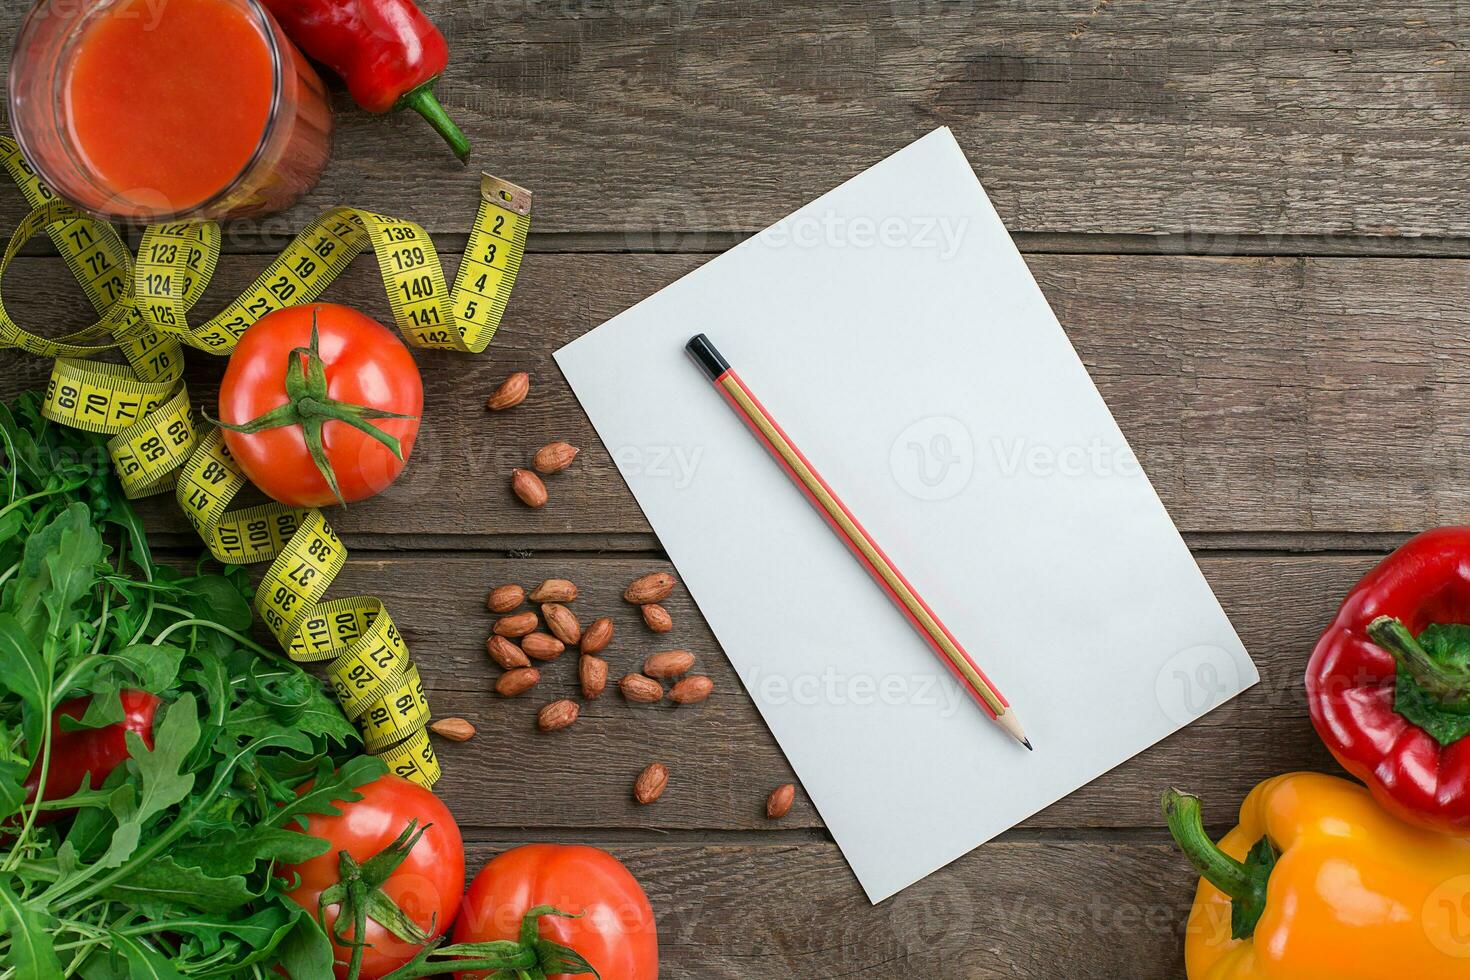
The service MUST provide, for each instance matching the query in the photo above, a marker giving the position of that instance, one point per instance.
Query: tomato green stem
(529, 957)
(311, 407)
(359, 929)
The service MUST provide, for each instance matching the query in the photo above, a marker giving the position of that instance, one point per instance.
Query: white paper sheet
(897, 335)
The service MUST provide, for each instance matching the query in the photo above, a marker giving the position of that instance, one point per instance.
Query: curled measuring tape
(156, 443)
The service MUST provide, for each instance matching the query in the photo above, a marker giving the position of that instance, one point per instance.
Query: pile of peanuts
(520, 636)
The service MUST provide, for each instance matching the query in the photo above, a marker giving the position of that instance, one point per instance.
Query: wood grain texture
(1310, 395)
(1009, 911)
(1274, 400)
(1193, 117)
(723, 762)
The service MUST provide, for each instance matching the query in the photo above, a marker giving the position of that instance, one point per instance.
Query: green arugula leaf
(330, 788)
(237, 850)
(144, 962)
(104, 964)
(94, 826)
(104, 709)
(261, 934)
(12, 522)
(214, 680)
(307, 952)
(59, 567)
(31, 951)
(20, 447)
(163, 784)
(312, 716)
(155, 668)
(164, 880)
(216, 598)
(24, 673)
(12, 788)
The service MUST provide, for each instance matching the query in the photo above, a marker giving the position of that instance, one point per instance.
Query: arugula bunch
(168, 868)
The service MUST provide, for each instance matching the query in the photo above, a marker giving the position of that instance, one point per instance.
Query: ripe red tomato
(366, 366)
(428, 885)
(616, 932)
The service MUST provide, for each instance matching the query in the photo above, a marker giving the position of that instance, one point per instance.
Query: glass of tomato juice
(165, 110)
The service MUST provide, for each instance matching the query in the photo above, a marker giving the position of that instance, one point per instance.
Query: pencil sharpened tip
(1029, 747)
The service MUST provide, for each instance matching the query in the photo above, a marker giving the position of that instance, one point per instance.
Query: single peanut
(651, 783)
(691, 690)
(542, 646)
(778, 804)
(653, 587)
(557, 715)
(562, 623)
(512, 392)
(592, 673)
(516, 682)
(528, 486)
(505, 653)
(596, 637)
(645, 690)
(516, 624)
(554, 457)
(554, 590)
(504, 598)
(669, 663)
(454, 729)
(657, 618)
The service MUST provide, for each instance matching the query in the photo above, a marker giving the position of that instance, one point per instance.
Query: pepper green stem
(1448, 684)
(423, 101)
(310, 407)
(1186, 825)
(1246, 882)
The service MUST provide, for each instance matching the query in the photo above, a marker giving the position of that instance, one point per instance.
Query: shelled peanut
(522, 636)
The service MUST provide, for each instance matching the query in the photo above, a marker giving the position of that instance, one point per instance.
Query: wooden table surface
(1250, 216)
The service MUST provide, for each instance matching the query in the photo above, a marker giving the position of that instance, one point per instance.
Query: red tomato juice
(168, 100)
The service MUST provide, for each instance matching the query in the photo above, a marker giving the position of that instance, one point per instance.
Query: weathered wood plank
(1323, 395)
(722, 759)
(1197, 117)
(1008, 911)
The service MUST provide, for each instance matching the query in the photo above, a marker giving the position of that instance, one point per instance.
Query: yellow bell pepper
(1318, 883)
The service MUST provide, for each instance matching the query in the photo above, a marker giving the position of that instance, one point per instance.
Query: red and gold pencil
(796, 465)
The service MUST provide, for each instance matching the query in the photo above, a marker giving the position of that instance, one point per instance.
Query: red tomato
(427, 886)
(365, 365)
(616, 932)
(94, 751)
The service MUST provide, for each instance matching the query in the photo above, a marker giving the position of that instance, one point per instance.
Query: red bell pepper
(1388, 685)
(97, 751)
(389, 54)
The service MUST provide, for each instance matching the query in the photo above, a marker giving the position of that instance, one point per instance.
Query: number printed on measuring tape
(155, 442)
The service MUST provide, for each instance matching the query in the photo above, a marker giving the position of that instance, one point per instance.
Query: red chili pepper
(389, 54)
(1389, 682)
(98, 751)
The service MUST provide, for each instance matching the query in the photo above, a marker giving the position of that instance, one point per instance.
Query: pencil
(796, 465)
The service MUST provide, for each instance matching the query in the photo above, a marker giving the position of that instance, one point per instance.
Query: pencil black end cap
(707, 356)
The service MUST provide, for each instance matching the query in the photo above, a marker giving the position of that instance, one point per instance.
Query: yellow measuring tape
(156, 442)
